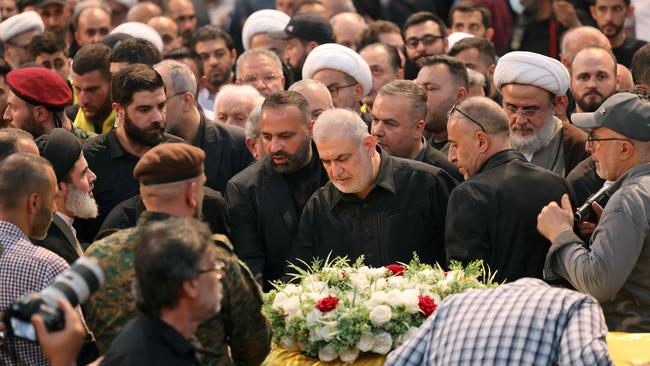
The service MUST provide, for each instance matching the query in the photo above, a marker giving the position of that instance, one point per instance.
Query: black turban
(62, 149)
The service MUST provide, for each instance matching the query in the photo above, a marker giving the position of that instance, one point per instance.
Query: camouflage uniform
(82, 135)
(239, 325)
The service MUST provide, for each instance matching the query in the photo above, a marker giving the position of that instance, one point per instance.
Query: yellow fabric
(74, 93)
(625, 349)
(81, 122)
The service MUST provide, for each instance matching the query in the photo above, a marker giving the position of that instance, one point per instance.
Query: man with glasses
(424, 35)
(171, 178)
(345, 74)
(261, 69)
(16, 33)
(534, 87)
(492, 215)
(613, 265)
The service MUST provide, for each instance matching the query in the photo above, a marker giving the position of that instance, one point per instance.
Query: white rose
(380, 315)
(278, 302)
(327, 354)
(363, 270)
(366, 342)
(349, 355)
(409, 299)
(383, 343)
(314, 316)
(398, 282)
(394, 298)
(326, 332)
(412, 331)
(359, 280)
(292, 290)
(377, 272)
(292, 307)
(289, 344)
(377, 298)
(380, 284)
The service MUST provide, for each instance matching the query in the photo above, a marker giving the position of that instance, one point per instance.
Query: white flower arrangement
(336, 310)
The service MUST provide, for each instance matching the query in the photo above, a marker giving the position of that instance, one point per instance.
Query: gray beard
(535, 143)
(81, 204)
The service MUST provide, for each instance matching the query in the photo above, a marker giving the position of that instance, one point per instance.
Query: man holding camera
(27, 190)
(614, 265)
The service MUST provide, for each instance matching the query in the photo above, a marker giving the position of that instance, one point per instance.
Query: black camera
(75, 284)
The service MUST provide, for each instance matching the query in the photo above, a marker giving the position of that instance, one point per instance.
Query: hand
(565, 13)
(61, 348)
(585, 227)
(554, 219)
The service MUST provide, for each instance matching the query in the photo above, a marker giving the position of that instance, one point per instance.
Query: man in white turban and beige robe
(533, 88)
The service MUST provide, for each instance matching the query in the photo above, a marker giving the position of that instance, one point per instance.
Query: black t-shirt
(303, 182)
(626, 51)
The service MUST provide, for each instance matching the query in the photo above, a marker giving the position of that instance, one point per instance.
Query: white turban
(127, 3)
(336, 57)
(455, 37)
(142, 31)
(263, 21)
(20, 23)
(522, 67)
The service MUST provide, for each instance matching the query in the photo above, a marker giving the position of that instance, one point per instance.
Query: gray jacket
(615, 268)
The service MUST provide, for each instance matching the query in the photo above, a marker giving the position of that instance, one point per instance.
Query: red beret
(40, 86)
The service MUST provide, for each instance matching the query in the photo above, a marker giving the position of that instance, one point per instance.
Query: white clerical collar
(529, 157)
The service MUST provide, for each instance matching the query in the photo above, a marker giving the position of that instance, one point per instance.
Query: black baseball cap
(309, 27)
(625, 113)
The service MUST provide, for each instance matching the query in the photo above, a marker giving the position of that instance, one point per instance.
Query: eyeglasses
(456, 109)
(529, 112)
(594, 142)
(265, 79)
(427, 40)
(175, 95)
(217, 267)
(334, 90)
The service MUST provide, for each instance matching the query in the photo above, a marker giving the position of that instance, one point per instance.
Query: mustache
(280, 154)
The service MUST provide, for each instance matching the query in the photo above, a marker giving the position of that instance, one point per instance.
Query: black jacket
(493, 216)
(263, 217)
(61, 241)
(433, 156)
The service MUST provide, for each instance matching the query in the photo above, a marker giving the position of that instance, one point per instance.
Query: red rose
(342, 274)
(446, 273)
(327, 304)
(427, 305)
(397, 269)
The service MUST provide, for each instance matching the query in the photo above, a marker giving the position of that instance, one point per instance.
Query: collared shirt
(525, 322)
(614, 268)
(404, 213)
(147, 340)
(24, 268)
(239, 325)
(206, 101)
(68, 220)
(81, 122)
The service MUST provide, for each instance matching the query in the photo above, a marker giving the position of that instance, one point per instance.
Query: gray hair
(246, 91)
(339, 122)
(302, 85)
(252, 126)
(410, 90)
(257, 52)
(486, 112)
(475, 78)
(180, 75)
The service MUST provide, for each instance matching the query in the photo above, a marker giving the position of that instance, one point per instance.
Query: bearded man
(533, 88)
(74, 196)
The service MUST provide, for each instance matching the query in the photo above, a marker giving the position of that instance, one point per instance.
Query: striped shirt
(525, 322)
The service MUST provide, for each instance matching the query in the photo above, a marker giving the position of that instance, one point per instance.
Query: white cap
(142, 31)
(263, 21)
(20, 23)
(336, 57)
(522, 67)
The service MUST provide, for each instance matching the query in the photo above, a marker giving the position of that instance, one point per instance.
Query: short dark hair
(641, 66)
(393, 55)
(302, 3)
(469, 6)
(5, 68)
(288, 98)
(9, 139)
(181, 53)
(47, 42)
(371, 34)
(93, 57)
(22, 174)
(211, 33)
(484, 47)
(421, 17)
(593, 2)
(169, 253)
(132, 79)
(136, 51)
(456, 68)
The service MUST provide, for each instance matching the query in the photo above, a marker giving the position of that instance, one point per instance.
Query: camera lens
(76, 284)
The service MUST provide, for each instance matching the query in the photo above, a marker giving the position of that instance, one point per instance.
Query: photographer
(614, 266)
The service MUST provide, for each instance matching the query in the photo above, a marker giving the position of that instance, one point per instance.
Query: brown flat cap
(168, 163)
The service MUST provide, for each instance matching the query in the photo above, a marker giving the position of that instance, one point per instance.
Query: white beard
(81, 204)
(530, 145)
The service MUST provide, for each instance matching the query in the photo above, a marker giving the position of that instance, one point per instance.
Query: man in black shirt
(266, 199)
(610, 18)
(375, 205)
(139, 101)
(492, 215)
(179, 282)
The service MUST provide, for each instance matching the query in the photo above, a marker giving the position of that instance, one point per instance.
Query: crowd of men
(195, 148)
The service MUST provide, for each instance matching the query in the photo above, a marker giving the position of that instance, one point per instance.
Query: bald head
(142, 12)
(576, 39)
(348, 29)
(317, 96)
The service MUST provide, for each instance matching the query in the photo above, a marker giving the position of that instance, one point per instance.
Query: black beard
(141, 136)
